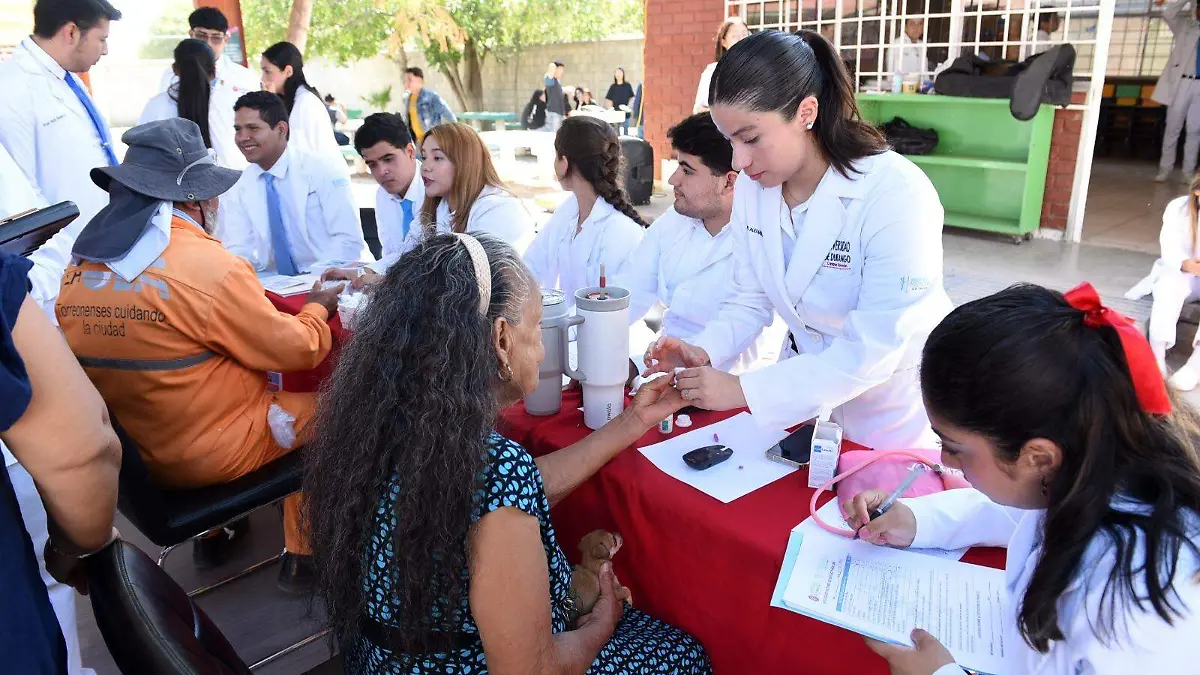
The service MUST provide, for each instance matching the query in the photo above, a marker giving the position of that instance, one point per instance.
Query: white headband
(483, 270)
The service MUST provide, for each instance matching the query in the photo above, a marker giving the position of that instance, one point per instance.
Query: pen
(716, 439)
(911, 478)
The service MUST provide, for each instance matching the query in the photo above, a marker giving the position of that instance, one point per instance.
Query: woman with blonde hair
(1176, 280)
(463, 192)
(732, 29)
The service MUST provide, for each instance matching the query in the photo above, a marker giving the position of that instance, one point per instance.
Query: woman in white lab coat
(463, 192)
(839, 236)
(1055, 411)
(596, 225)
(1176, 281)
(308, 118)
(732, 29)
(194, 96)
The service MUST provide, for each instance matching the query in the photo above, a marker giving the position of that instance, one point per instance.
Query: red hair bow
(1143, 367)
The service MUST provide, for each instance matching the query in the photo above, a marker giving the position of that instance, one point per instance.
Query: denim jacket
(431, 109)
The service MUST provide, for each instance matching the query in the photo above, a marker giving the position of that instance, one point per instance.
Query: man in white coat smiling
(838, 235)
(686, 259)
(50, 125)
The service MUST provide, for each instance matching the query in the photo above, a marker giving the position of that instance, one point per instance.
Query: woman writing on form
(840, 236)
(1054, 409)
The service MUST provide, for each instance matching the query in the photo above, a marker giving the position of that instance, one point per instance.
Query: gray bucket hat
(167, 160)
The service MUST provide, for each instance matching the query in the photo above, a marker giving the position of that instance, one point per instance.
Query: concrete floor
(1119, 248)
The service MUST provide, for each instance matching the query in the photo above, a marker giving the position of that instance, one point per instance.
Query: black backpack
(909, 140)
(1041, 78)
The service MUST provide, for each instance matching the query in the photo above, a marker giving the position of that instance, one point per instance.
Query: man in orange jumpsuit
(177, 333)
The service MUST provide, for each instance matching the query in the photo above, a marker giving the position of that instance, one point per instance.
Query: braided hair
(592, 149)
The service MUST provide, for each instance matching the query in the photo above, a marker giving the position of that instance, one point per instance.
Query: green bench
(989, 168)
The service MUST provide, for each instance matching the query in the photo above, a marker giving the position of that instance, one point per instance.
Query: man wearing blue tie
(50, 125)
(291, 212)
(386, 145)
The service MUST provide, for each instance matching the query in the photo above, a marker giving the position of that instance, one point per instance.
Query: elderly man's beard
(209, 211)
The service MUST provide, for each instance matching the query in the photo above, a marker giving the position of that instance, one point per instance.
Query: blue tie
(1197, 71)
(406, 208)
(279, 239)
(101, 129)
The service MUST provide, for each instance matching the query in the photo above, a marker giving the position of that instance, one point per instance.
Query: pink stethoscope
(923, 464)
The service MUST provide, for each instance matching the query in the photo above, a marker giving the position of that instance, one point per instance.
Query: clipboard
(23, 233)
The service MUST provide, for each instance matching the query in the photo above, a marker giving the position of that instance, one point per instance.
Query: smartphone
(796, 449)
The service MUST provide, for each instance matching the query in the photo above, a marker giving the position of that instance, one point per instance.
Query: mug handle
(566, 347)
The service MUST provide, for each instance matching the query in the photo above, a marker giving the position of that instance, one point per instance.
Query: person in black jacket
(534, 114)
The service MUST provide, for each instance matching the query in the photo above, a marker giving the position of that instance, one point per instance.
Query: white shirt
(389, 221)
(495, 212)
(17, 195)
(860, 293)
(702, 89)
(312, 132)
(691, 271)
(49, 134)
(234, 77)
(907, 55)
(1145, 644)
(165, 105)
(567, 256)
(318, 211)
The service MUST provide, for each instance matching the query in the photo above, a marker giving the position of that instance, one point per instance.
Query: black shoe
(296, 574)
(213, 549)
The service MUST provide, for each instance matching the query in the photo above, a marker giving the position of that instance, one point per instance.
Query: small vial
(684, 421)
(666, 426)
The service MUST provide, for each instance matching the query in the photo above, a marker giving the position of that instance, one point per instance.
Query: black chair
(170, 518)
(149, 623)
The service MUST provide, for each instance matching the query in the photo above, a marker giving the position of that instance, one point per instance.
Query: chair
(170, 518)
(149, 623)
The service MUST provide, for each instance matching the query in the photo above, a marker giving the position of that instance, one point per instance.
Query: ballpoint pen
(886, 506)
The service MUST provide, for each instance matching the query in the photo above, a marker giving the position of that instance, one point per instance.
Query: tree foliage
(340, 30)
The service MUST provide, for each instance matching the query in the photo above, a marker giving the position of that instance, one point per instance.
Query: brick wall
(1060, 175)
(679, 44)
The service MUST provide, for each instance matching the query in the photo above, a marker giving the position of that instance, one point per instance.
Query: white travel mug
(556, 323)
(603, 351)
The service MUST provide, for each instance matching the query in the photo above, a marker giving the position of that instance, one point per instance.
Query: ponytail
(772, 71)
(196, 66)
(593, 150)
(282, 55)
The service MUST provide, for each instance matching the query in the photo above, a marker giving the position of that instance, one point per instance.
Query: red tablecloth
(308, 380)
(707, 567)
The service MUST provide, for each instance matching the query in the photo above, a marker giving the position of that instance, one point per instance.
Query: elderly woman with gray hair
(431, 532)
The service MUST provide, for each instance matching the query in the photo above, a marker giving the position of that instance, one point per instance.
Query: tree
(459, 36)
(339, 30)
(298, 23)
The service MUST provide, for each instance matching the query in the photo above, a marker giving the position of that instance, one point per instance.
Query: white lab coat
(860, 294)
(234, 77)
(49, 135)
(164, 106)
(312, 132)
(907, 56)
(1172, 287)
(1146, 644)
(702, 89)
(690, 271)
(17, 194)
(1180, 19)
(495, 212)
(389, 222)
(318, 213)
(560, 258)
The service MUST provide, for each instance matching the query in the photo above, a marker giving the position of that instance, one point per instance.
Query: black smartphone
(796, 449)
(707, 457)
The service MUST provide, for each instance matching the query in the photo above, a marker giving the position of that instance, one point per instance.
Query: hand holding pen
(878, 517)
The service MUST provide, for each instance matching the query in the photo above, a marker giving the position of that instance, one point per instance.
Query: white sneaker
(1186, 378)
(1163, 176)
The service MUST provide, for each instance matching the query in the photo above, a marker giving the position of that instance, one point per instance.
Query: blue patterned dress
(641, 644)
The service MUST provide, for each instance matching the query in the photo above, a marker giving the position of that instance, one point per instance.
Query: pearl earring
(809, 126)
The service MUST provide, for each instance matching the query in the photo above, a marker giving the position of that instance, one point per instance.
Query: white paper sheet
(885, 593)
(831, 513)
(285, 285)
(746, 471)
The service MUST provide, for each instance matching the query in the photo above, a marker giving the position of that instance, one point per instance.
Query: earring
(809, 126)
(1045, 488)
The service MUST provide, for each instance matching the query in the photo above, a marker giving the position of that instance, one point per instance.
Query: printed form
(885, 593)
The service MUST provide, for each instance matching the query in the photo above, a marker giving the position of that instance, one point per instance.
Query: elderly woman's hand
(655, 400)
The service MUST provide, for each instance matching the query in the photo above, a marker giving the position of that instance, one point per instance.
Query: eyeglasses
(211, 37)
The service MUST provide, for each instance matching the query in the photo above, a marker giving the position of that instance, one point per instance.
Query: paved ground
(259, 619)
